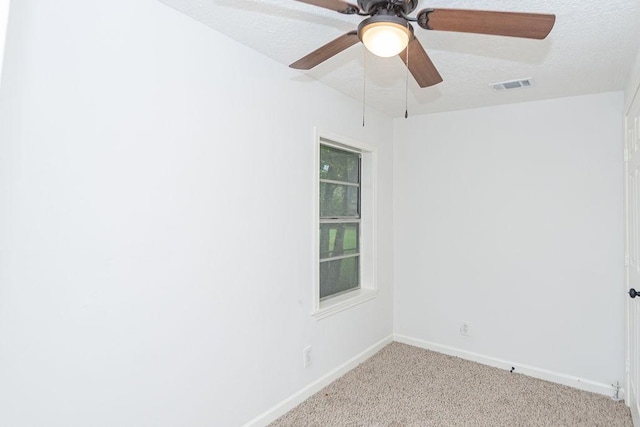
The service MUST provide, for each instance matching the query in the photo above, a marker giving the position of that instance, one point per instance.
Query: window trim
(368, 289)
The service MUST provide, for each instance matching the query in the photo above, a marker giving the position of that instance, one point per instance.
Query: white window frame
(368, 226)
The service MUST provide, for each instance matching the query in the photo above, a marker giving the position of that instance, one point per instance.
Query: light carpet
(402, 385)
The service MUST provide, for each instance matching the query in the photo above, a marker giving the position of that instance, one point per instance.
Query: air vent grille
(512, 84)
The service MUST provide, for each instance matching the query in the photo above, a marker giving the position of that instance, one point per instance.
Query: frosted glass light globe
(385, 39)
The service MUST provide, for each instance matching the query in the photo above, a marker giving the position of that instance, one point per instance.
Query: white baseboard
(297, 398)
(532, 371)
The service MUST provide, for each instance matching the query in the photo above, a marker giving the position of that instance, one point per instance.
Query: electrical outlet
(464, 329)
(306, 356)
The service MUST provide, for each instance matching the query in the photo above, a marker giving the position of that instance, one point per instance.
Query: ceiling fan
(388, 31)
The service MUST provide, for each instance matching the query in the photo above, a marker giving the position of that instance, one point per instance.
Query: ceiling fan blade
(330, 49)
(420, 64)
(527, 25)
(337, 5)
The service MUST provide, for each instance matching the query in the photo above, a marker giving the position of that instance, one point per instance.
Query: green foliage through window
(339, 221)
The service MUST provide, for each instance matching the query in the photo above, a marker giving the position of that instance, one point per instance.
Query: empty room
(319, 212)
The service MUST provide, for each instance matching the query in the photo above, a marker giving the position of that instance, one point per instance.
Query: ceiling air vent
(512, 84)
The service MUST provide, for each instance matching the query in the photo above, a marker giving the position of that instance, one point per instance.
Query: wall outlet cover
(464, 328)
(306, 356)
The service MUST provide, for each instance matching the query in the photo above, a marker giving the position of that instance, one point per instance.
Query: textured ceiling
(590, 49)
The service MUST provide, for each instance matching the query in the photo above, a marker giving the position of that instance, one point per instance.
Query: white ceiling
(590, 49)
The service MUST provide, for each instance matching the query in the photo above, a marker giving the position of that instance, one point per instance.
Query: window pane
(338, 200)
(339, 239)
(339, 276)
(339, 165)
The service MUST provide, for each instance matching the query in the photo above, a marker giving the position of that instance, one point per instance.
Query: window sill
(343, 302)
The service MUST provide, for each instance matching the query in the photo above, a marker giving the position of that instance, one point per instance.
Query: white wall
(4, 18)
(633, 81)
(156, 221)
(511, 218)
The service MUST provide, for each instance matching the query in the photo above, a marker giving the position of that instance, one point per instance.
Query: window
(339, 204)
(345, 181)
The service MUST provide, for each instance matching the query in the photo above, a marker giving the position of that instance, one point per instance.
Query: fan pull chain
(364, 83)
(406, 87)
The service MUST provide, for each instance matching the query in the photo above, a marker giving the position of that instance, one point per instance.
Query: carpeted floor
(404, 385)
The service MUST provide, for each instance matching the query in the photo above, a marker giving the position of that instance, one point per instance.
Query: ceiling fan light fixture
(385, 36)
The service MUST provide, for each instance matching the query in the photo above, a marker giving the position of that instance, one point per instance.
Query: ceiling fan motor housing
(371, 7)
